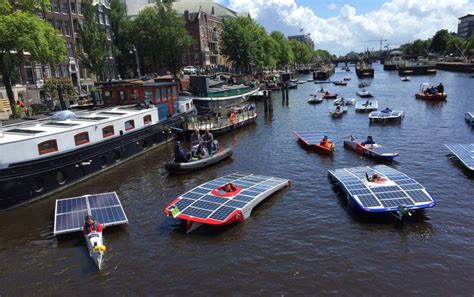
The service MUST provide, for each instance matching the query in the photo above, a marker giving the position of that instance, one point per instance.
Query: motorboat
(340, 83)
(314, 99)
(405, 78)
(428, 92)
(386, 114)
(344, 102)
(328, 95)
(368, 105)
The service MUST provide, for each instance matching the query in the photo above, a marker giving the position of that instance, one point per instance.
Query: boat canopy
(63, 115)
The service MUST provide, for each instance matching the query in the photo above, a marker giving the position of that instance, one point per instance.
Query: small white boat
(364, 94)
(300, 82)
(386, 115)
(338, 111)
(405, 78)
(469, 117)
(294, 80)
(340, 83)
(363, 106)
(310, 80)
(96, 247)
(344, 102)
(313, 99)
(347, 78)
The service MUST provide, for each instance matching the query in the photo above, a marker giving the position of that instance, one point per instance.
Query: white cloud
(398, 21)
(331, 6)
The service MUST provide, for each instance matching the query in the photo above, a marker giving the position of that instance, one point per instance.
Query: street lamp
(133, 49)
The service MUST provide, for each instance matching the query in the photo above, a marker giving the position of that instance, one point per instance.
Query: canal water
(302, 241)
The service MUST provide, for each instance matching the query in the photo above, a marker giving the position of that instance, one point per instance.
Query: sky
(341, 26)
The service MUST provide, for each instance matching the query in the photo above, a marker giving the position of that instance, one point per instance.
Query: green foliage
(22, 31)
(59, 89)
(284, 55)
(160, 36)
(456, 46)
(121, 26)
(440, 40)
(417, 48)
(92, 41)
(324, 55)
(302, 52)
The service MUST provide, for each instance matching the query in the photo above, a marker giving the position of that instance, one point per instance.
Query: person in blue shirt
(180, 156)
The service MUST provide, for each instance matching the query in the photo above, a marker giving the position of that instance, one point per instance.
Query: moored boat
(405, 78)
(316, 140)
(340, 83)
(364, 69)
(328, 95)
(386, 115)
(469, 117)
(344, 102)
(371, 150)
(314, 99)
(223, 200)
(364, 94)
(381, 189)
(41, 157)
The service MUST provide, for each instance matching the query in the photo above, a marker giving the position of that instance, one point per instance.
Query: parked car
(190, 70)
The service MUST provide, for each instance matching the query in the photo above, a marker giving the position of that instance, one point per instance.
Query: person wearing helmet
(91, 226)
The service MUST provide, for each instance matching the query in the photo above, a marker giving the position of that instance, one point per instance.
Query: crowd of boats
(44, 156)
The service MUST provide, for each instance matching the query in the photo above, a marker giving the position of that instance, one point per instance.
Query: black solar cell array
(407, 192)
(200, 203)
(105, 208)
(464, 152)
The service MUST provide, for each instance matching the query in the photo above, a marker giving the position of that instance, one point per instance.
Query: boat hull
(183, 168)
(435, 97)
(95, 238)
(21, 183)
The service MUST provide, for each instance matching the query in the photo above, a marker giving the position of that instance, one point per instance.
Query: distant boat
(347, 78)
(300, 82)
(405, 78)
(344, 102)
(469, 117)
(313, 99)
(364, 69)
(314, 140)
(386, 115)
(364, 94)
(364, 106)
(374, 151)
(340, 83)
(328, 95)
(338, 111)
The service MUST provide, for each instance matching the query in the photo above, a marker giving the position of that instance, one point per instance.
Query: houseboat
(38, 158)
(364, 69)
(324, 72)
(394, 61)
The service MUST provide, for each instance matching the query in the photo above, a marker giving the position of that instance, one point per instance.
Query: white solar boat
(386, 115)
(210, 204)
(364, 94)
(364, 106)
(344, 102)
(391, 192)
(105, 208)
(464, 152)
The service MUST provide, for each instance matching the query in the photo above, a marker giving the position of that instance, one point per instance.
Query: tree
(456, 46)
(302, 52)
(323, 55)
(121, 26)
(284, 54)
(21, 31)
(160, 36)
(60, 88)
(92, 41)
(439, 42)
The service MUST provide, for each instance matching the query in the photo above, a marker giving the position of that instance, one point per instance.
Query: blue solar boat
(378, 189)
(464, 152)
(223, 200)
(374, 151)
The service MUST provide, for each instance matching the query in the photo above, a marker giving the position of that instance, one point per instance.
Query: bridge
(372, 57)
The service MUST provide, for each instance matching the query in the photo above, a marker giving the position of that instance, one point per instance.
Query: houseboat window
(129, 125)
(147, 120)
(108, 131)
(81, 138)
(48, 147)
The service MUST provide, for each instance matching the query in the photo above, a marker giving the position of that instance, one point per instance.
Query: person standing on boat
(369, 140)
(440, 88)
(208, 140)
(91, 226)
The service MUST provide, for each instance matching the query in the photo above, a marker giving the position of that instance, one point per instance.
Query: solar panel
(386, 115)
(310, 137)
(396, 190)
(464, 152)
(201, 203)
(105, 208)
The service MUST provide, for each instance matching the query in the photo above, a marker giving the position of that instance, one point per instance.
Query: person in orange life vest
(91, 226)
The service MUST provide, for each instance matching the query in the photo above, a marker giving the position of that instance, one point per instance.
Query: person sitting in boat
(369, 140)
(199, 152)
(324, 141)
(440, 88)
(338, 108)
(195, 137)
(229, 187)
(180, 155)
(375, 178)
(327, 93)
(208, 140)
(91, 226)
(387, 110)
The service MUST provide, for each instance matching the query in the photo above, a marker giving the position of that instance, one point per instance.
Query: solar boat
(464, 152)
(364, 106)
(105, 208)
(209, 204)
(313, 139)
(374, 151)
(386, 115)
(392, 192)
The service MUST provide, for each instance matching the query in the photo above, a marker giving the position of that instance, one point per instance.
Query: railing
(215, 123)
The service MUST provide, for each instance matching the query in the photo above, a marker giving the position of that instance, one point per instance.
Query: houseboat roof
(48, 126)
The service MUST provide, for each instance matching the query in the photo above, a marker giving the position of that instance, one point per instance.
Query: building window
(29, 74)
(108, 131)
(147, 120)
(81, 138)
(47, 147)
(129, 125)
(80, 9)
(58, 26)
(64, 8)
(109, 36)
(67, 28)
(70, 49)
(73, 7)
